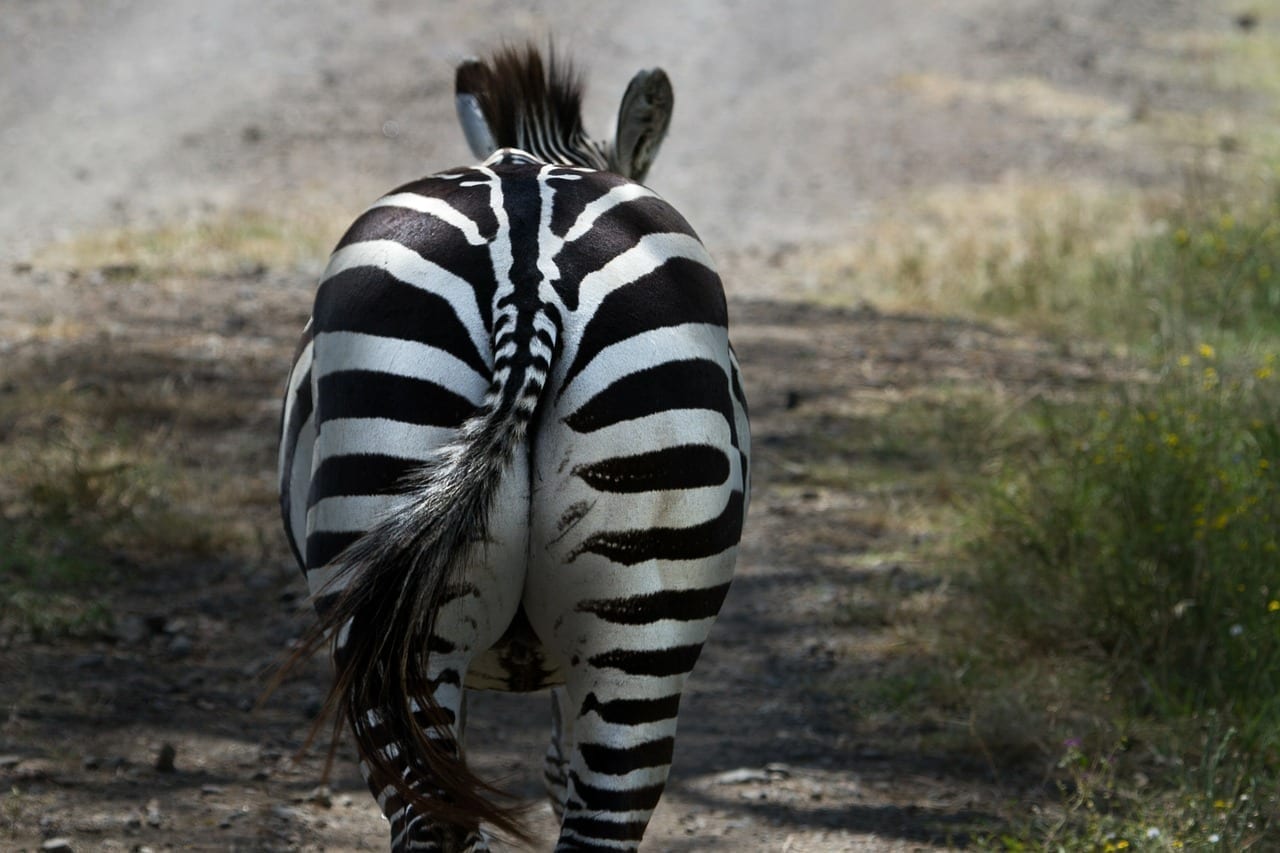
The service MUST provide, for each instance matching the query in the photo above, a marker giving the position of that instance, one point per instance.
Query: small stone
(98, 823)
(181, 645)
(34, 770)
(165, 759)
(321, 797)
(153, 813)
(131, 630)
(287, 813)
(741, 776)
(57, 845)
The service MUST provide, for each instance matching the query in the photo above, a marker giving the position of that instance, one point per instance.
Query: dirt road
(792, 130)
(790, 126)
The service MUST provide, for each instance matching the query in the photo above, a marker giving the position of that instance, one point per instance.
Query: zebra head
(516, 100)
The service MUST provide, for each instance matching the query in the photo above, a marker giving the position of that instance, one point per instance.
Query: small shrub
(1146, 535)
(1150, 533)
(1217, 274)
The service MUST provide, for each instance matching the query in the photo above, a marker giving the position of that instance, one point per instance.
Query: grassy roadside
(1110, 623)
(137, 411)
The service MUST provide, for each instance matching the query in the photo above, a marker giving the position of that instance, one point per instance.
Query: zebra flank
(515, 456)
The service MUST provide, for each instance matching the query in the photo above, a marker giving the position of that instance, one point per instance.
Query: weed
(1149, 533)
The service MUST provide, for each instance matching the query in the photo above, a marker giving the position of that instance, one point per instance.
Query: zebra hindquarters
(637, 511)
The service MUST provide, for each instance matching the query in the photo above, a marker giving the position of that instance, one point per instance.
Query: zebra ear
(470, 84)
(643, 118)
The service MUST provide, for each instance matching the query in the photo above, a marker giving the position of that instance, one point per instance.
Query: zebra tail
(397, 577)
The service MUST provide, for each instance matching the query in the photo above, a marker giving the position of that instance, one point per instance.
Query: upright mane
(525, 97)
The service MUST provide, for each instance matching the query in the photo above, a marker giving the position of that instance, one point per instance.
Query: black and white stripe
(515, 456)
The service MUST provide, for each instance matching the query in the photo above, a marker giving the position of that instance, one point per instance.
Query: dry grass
(226, 245)
(139, 407)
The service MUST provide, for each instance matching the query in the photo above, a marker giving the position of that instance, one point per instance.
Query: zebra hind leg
(411, 830)
(617, 770)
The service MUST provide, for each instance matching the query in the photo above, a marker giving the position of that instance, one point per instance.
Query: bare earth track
(128, 113)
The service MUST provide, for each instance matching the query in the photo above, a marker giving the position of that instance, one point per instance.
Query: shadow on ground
(771, 742)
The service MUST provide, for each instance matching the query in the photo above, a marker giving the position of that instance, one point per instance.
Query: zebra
(514, 456)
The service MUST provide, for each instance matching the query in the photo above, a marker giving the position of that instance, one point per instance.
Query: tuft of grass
(1019, 251)
(83, 501)
(1217, 274)
(78, 510)
(231, 244)
(1109, 803)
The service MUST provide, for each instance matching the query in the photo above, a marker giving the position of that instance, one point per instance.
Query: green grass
(1134, 551)
(1215, 275)
(1132, 520)
(78, 510)
(1112, 627)
(124, 454)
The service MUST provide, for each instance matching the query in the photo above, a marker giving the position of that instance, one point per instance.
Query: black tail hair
(397, 576)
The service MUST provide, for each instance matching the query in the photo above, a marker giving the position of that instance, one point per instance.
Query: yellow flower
(1273, 605)
(1221, 804)
(1263, 373)
(1184, 361)
(1170, 439)
(1206, 351)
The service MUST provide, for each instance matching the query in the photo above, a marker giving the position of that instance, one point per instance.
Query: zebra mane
(527, 101)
